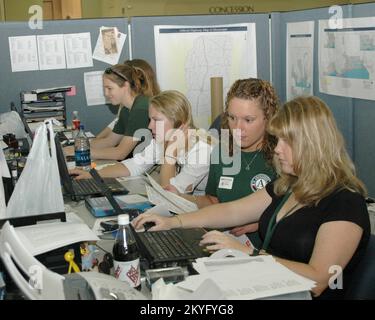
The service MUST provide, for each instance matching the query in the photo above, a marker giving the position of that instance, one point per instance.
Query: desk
(137, 186)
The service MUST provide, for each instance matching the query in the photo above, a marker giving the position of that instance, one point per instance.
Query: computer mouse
(132, 212)
(109, 225)
(148, 225)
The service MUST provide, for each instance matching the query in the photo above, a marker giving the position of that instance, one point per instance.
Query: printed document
(299, 59)
(23, 53)
(94, 88)
(248, 278)
(173, 202)
(347, 58)
(78, 50)
(51, 50)
(109, 45)
(45, 237)
(199, 53)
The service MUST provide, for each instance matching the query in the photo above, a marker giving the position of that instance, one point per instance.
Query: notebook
(78, 189)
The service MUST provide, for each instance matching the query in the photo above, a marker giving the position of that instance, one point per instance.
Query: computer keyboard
(164, 245)
(85, 186)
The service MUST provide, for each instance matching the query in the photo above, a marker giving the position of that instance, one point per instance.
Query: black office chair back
(363, 280)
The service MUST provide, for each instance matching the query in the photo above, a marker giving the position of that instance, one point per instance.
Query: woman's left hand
(215, 240)
(171, 188)
(79, 174)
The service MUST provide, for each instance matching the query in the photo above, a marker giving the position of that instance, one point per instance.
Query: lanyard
(272, 224)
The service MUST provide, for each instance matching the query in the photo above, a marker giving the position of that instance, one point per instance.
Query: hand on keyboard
(215, 240)
(79, 174)
(159, 222)
(148, 225)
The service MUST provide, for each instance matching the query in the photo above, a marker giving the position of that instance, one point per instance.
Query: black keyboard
(167, 244)
(85, 186)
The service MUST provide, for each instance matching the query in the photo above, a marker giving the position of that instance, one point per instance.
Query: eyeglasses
(110, 70)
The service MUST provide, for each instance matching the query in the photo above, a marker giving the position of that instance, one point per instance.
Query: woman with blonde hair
(313, 217)
(182, 151)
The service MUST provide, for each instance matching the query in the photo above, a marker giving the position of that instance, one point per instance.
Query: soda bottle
(125, 254)
(75, 124)
(82, 150)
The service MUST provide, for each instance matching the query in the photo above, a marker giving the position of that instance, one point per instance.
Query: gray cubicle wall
(94, 117)
(354, 116)
(143, 34)
(364, 117)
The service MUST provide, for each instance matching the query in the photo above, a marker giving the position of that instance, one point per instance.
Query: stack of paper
(247, 277)
(46, 237)
(157, 195)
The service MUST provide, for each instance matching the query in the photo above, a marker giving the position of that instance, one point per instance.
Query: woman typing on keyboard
(312, 218)
(182, 151)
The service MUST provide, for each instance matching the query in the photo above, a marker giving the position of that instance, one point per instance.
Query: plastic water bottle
(75, 124)
(82, 150)
(125, 254)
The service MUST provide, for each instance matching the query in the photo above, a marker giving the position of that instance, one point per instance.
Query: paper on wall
(51, 50)
(109, 45)
(78, 50)
(94, 88)
(23, 53)
(300, 59)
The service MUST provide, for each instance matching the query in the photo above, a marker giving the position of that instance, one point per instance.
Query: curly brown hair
(264, 93)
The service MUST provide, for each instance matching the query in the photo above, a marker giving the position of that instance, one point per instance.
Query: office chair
(24, 269)
(362, 286)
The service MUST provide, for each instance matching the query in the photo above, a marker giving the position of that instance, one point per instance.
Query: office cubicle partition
(354, 116)
(11, 83)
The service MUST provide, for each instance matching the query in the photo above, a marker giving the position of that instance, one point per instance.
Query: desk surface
(137, 186)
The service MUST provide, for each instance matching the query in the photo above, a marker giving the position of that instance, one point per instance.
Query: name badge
(226, 183)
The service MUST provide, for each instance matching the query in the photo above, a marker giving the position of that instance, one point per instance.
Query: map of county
(187, 57)
(347, 58)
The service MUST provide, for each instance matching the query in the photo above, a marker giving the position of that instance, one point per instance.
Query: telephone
(98, 286)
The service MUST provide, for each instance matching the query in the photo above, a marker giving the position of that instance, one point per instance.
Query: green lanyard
(272, 224)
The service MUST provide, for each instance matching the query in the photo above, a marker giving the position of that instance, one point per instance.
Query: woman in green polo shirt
(130, 87)
(155, 89)
(250, 103)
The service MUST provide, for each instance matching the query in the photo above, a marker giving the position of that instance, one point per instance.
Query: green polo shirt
(136, 118)
(254, 173)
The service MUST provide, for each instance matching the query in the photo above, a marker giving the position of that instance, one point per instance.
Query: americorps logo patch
(259, 181)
